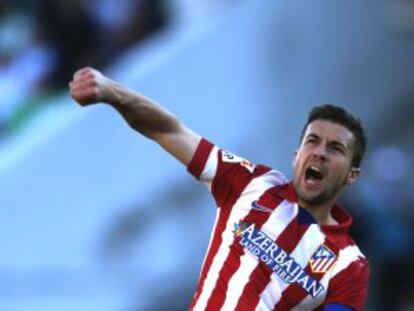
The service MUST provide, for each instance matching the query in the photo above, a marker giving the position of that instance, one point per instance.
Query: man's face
(322, 164)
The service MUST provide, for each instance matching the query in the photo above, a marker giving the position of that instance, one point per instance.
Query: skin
(329, 147)
(326, 145)
(89, 87)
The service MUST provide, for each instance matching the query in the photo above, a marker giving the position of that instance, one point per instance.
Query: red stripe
(316, 265)
(232, 262)
(355, 278)
(220, 227)
(231, 179)
(197, 163)
(261, 275)
(293, 294)
(326, 264)
(227, 203)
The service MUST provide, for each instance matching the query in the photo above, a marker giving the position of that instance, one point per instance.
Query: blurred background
(95, 217)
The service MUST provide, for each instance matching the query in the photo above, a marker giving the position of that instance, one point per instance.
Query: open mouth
(313, 174)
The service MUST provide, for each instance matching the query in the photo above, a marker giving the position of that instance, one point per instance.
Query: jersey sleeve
(224, 173)
(350, 286)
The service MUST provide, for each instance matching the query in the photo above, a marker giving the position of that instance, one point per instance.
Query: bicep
(181, 143)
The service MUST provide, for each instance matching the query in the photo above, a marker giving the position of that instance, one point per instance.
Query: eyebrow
(312, 135)
(338, 143)
(333, 142)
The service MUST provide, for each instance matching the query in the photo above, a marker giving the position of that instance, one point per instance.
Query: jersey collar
(343, 218)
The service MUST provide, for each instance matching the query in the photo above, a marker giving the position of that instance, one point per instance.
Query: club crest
(322, 259)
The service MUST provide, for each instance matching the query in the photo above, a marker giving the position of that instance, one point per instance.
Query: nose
(320, 152)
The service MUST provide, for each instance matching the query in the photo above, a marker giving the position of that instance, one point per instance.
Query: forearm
(141, 113)
(89, 86)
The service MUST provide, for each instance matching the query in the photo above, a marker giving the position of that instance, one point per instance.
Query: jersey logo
(322, 259)
(256, 206)
(265, 250)
(229, 157)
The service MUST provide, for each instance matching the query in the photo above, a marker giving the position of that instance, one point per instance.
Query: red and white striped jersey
(265, 251)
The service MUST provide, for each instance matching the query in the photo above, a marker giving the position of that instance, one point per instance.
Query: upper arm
(181, 143)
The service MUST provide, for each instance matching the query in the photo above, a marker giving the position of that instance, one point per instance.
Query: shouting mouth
(313, 175)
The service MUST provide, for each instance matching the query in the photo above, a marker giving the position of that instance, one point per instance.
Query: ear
(353, 175)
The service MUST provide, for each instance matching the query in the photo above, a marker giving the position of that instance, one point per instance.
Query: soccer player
(276, 245)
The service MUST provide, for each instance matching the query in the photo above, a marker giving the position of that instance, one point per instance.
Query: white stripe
(262, 305)
(310, 241)
(237, 282)
(210, 168)
(280, 219)
(208, 173)
(256, 186)
(218, 212)
(276, 223)
(267, 296)
(346, 256)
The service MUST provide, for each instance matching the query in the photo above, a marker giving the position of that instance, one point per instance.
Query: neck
(321, 212)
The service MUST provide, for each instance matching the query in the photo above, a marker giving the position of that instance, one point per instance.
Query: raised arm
(89, 86)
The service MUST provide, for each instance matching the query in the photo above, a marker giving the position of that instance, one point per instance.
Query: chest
(289, 247)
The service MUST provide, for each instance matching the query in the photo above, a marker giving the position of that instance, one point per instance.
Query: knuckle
(92, 82)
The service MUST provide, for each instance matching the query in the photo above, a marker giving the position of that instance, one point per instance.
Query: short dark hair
(339, 115)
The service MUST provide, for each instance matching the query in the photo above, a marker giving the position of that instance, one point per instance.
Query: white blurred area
(95, 217)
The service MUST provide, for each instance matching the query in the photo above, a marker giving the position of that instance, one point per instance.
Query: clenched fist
(89, 86)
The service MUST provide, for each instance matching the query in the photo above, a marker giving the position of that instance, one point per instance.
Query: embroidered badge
(322, 259)
(232, 158)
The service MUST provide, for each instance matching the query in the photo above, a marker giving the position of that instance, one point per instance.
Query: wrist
(113, 94)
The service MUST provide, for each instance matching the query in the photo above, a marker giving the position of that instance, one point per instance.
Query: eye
(339, 149)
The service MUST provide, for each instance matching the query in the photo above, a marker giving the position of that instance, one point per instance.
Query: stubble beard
(323, 196)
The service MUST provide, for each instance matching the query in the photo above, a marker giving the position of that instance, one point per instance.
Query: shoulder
(350, 261)
(350, 277)
(240, 167)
